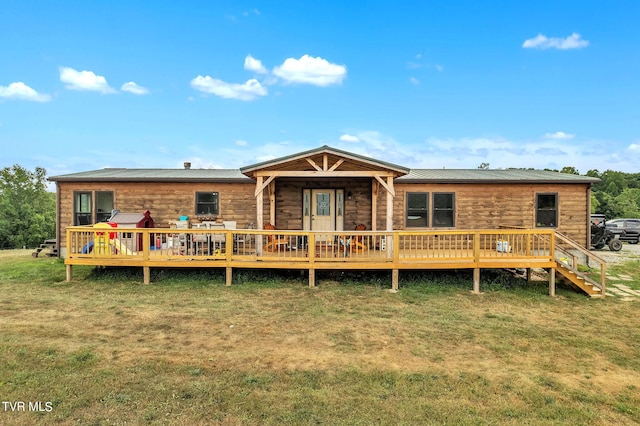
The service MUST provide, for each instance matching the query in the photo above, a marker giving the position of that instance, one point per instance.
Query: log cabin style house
(327, 190)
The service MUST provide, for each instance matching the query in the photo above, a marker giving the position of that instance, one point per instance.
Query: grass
(107, 349)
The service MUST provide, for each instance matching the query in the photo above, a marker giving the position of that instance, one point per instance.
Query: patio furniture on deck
(353, 243)
(275, 242)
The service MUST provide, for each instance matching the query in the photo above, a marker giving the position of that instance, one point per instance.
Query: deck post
(528, 274)
(69, 272)
(395, 274)
(146, 271)
(312, 278)
(552, 282)
(229, 276)
(476, 280)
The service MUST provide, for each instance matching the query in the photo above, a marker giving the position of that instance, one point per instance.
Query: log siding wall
(477, 206)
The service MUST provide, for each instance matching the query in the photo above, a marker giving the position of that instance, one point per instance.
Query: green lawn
(107, 349)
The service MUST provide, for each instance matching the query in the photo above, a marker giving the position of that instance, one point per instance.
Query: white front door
(323, 210)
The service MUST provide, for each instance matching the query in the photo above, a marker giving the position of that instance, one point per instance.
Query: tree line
(28, 210)
(616, 195)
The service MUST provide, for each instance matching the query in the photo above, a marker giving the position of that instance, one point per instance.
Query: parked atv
(601, 236)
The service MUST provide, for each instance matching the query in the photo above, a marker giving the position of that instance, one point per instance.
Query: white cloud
(19, 90)
(240, 142)
(559, 135)
(634, 147)
(439, 67)
(84, 80)
(132, 87)
(252, 11)
(349, 138)
(414, 80)
(574, 41)
(244, 92)
(255, 65)
(266, 157)
(309, 70)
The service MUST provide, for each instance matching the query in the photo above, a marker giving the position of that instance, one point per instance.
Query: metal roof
(407, 175)
(414, 176)
(155, 175)
(492, 175)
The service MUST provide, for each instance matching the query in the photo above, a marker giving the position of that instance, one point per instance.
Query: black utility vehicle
(601, 235)
(626, 229)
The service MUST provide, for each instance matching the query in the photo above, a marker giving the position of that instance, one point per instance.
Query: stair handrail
(589, 255)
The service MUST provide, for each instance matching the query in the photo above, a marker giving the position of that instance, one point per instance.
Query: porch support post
(272, 203)
(476, 280)
(259, 213)
(389, 225)
(390, 196)
(259, 203)
(69, 273)
(146, 271)
(552, 282)
(375, 186)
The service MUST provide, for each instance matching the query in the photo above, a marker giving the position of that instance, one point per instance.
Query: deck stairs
(567, 267)
(578, 280)
(50, 247)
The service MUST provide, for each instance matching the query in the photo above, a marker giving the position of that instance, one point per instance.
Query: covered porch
(325, 190)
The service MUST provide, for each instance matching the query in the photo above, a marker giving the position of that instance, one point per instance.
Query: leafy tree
(570, 170)
(27, 210)
(595, 204)
(627, 204)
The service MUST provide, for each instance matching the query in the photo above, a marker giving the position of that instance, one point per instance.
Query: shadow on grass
(418, 282)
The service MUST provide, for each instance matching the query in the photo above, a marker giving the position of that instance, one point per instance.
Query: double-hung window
(443, 209)
(417, 209)
(547, 210)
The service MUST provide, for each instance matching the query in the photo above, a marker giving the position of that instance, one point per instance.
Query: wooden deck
(256, 249)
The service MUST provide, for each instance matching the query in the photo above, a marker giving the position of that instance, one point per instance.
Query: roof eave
(149, 179)
(401, 170)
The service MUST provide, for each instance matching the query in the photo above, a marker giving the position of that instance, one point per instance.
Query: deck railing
(582, 261)
(92, 245)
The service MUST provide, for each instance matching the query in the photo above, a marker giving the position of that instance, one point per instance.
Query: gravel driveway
(628, 253)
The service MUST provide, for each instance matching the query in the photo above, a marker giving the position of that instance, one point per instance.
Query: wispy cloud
(349, 138)
(574, 41)
(559, 135)
(244, 92)
(309, 70)
(253, 11)
(241, 142)
(84, 80)
(414, 80)
(19, 90)
(132, 87)
(255, 65)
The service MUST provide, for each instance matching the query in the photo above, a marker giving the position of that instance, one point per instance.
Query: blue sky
(224, 84)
